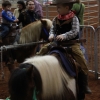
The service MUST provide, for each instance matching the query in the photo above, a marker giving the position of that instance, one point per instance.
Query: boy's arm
(74, 31)
(5, 16)
(13, 17)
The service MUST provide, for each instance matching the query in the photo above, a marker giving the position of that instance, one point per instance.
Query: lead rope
(35, 94)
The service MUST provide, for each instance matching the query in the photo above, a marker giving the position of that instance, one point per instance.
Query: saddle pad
(66, 64)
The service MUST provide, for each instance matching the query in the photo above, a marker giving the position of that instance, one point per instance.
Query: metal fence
(88, 33)
(97, 41)
(91, 46)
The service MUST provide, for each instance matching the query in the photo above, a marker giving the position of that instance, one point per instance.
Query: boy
(66, 27)
(7, 19)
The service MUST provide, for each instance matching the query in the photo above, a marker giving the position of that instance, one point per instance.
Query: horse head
(46, 25)
(34, 31)
(21, 84)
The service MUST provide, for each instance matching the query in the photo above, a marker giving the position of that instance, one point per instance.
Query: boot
(83, 83)
(44, 50)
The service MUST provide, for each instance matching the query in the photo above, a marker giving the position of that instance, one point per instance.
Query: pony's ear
(30, 71)
(12, 66)
(44, 22)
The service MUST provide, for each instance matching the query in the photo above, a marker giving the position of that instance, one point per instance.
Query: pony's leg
(17, 38)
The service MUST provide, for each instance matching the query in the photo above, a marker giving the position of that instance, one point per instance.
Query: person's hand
(60, 38)
(51, 37)
(15, 21)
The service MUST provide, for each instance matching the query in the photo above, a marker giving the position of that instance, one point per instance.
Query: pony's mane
(54, 78)
(31, 32)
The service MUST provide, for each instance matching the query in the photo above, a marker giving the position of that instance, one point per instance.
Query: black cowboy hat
(62, 1)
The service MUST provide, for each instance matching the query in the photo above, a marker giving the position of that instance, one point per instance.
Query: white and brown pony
(41, 78)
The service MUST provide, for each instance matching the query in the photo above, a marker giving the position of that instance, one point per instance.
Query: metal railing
(97, 52)
(88, 33)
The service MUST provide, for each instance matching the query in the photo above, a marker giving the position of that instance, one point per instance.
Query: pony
(31, 33)
(7, 40)
(35, 31)
(39, 79)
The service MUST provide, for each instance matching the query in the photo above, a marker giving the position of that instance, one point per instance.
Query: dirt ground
(93, 83)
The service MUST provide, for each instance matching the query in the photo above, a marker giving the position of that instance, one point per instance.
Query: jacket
(26, 17)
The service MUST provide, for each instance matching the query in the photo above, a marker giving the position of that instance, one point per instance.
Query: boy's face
(31, 6)
(62, 10)
(7, 8)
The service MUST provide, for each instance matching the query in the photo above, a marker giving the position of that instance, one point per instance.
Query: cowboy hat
(62, 1)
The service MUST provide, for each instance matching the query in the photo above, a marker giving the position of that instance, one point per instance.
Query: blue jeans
(5, 30)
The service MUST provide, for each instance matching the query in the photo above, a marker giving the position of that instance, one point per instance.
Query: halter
(35, 92)
(46, 33)
(34, 95)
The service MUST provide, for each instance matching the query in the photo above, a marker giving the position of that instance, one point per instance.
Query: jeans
(79, 57)
(5, 30)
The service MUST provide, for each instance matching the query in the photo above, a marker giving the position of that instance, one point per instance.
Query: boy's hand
(15, 21)
(60, 38)
(51, 37)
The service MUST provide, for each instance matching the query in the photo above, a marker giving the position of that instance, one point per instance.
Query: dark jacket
(62, 26)
(27, 17)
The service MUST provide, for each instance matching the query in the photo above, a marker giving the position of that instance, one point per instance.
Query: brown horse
(8, 40)
(41, 78)
(31, 33)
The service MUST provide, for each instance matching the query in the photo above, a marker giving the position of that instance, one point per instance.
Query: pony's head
(35, 31)
(46, 25)
(21, 83)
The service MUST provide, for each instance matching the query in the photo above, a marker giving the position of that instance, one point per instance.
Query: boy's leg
(5, 30)
(79, 57)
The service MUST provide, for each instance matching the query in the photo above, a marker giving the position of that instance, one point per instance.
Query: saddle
(64, 56)
(67, 61)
